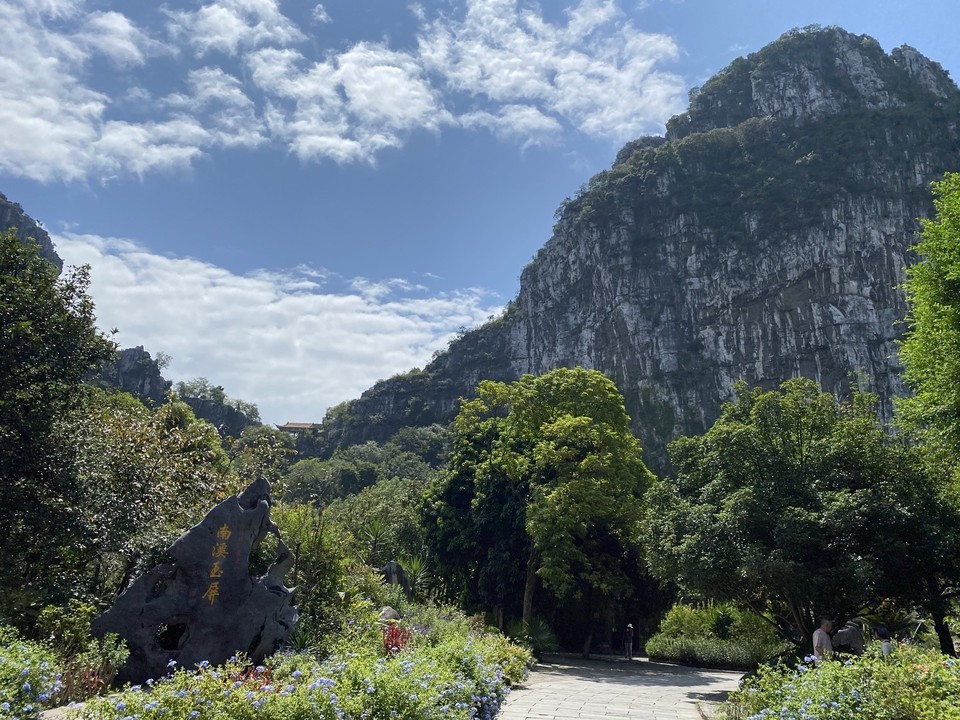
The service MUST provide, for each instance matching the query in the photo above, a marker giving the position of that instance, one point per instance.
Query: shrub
(689, 621)
(711, 652)
(395, 638)
(88, 665)
(538, 636)
(451, 670)
(913, 684)
(29, 676)
(718, 635)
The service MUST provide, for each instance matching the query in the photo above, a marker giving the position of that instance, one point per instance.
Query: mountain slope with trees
(765, 237)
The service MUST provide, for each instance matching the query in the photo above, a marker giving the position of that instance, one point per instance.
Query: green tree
(930, 349)
(48, 341)
(262, 451)
(547, 479)
(323, 481)
(145, 476)
(796, 504)
(202, 389)
(388, 513)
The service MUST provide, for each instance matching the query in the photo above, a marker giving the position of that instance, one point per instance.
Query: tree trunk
(125, 577)
(529, 588)
(587, 641)
(943, 630)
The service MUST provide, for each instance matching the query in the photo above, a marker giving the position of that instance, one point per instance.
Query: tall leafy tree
(145, 475)
(796, 504)
(544, 486)
(930, 349)
(48, 341)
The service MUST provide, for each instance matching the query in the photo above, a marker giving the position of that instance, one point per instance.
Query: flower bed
(447, 674)
(913, 684)
(30, 676)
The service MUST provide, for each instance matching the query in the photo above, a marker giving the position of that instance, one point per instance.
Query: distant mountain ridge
(13, 216)
(764, 237)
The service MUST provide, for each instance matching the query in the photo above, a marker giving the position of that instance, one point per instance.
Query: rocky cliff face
(12, 216)
(134, 371)
(228, 420)
(765, 238)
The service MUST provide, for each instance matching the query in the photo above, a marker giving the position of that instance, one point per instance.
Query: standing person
(822, 645)
(628, 642)
(883, 635)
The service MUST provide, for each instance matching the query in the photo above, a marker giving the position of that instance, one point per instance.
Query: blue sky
(296, 199)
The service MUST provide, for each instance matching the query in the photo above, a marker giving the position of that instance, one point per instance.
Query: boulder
(206, 605)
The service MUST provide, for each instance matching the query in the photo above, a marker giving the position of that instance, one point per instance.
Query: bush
(88, 665)
(448, 668)
(913, 684)
(718, 635)
(710, 652)
(68, 666)
(538, 637)
(29, 676)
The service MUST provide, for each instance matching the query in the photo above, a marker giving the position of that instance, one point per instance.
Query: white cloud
(277, 339)
(519, 123)
(47, 116)
(320, 15)
(234, 25)
(386, 89)
(597, 72)
(115, 36)
(230, 114)
(55, 126)
(496, 65)
(349, 106)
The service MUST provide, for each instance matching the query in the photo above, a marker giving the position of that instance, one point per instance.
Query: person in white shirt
(822, 645)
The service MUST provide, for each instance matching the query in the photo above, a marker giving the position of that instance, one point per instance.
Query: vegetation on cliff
(818, 141)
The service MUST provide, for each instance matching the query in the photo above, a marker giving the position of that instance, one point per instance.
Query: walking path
(569, 689)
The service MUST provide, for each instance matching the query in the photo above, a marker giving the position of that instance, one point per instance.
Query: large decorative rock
(206, 605)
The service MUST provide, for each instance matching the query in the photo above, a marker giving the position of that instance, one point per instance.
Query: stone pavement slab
(576, 689)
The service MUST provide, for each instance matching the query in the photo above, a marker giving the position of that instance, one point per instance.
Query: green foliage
(712, 651)
(29, 676)
(717, 635)
(545, 484)
(211, 401)
(930, 349)
(913, 684)
(202, 389)
(93, 670)
(322, 571)
(451, 669)
(67, 628)
(262, 452)
(385, 519)
(537, 636)
(798, 504)
(374, 491)
(88, 665)
(48, 341)
(323, 481)
(69, 666)
(146, 475)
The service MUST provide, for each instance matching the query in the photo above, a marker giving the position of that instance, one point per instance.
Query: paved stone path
(568, 689)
